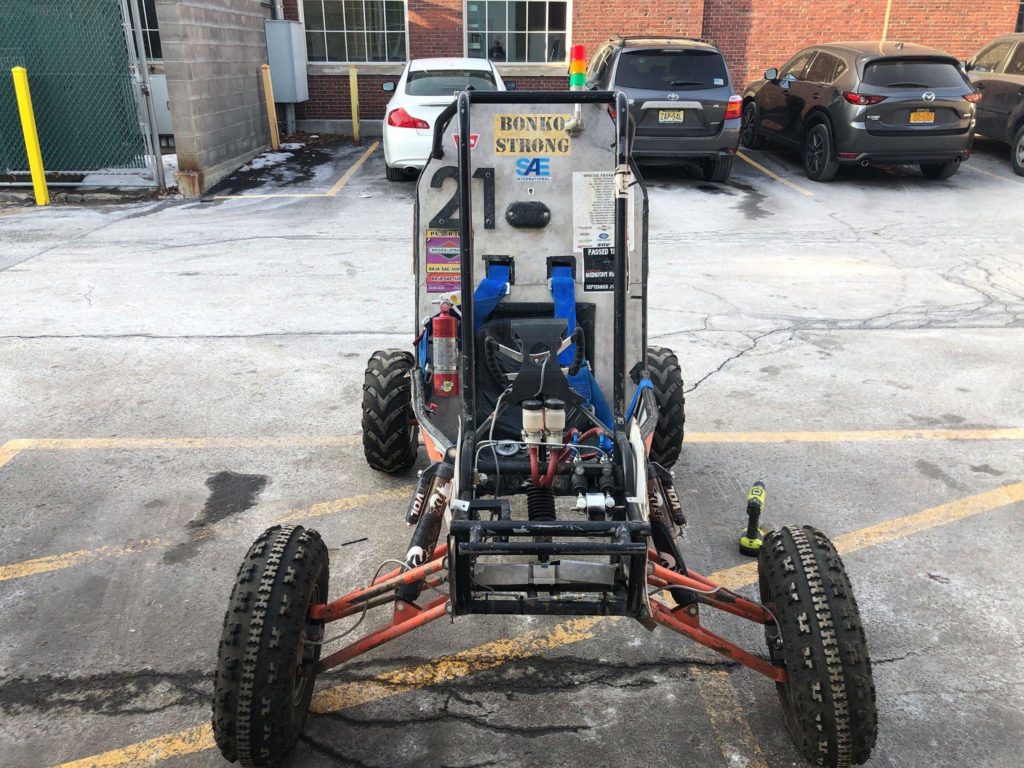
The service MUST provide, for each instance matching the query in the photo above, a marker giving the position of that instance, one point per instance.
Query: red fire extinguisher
(444, 329)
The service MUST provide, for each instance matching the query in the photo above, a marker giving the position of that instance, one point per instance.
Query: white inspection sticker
(593, 210)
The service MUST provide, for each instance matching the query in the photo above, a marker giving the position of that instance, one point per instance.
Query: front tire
(717, 169)
(820, 163)
(829, 698)
(1017, 152)
(667, 378)
(390, 433)
(266, 669)
(750, 131)
(939, 171)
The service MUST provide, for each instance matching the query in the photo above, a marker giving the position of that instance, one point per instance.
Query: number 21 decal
(446, 218)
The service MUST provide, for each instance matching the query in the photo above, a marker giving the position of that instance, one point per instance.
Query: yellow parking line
(900, 528)
(49, 563)
(12, 448)
(333, 191)
(352, 171)
(728, 720)
(772, 174)
(64, 560)
(492, 655)
(855, 436)
(341, 505)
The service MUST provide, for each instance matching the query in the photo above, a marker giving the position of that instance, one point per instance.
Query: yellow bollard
(353, 90)
(268, 93)
(28, 127)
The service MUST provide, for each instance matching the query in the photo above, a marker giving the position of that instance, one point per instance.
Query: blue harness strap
(563, 294)
(489, 293)
(645, 383)
(485, 299)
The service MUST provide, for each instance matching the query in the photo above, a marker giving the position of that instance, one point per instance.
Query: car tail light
(862, 99)
(974, 97)
(399, 118)
(734, 110)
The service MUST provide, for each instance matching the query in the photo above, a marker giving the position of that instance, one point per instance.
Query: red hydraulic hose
(534, 468)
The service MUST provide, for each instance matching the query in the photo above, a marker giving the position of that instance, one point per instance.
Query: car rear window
(910, 73)
(671, 70)
(445, 82)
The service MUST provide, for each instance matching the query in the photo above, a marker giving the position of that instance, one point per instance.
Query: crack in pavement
(107, 693)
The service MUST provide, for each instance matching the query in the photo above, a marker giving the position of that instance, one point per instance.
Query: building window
(1020, 17)
(150, 30)
(523, 30)
(355, 30)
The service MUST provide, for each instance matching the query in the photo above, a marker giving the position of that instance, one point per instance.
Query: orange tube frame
(407, 616)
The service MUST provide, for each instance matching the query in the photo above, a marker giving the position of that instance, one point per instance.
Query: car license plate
(670, 115)
(922, 116)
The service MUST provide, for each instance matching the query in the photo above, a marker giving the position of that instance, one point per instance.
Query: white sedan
(426, 87)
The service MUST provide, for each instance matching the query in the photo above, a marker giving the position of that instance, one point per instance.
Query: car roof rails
(624, 40)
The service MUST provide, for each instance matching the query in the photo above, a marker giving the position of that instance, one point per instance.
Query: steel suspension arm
(689, 625)
(354, 601)
(407, 617)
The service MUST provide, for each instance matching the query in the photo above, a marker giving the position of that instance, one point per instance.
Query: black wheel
(750, 131)
(394, 174)
(820, 163)
(717, 169)
(390, 434)
(266, 669)
(939, 171)
(667, 378)
(1017, 152)
(829, 698)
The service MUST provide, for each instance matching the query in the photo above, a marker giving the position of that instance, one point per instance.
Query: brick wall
(594, 21)
(435, 28)
(329, 98)
(757, 34)
(753, 34)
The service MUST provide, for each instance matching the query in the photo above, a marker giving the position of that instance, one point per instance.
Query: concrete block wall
(213, 50)
(757, 34)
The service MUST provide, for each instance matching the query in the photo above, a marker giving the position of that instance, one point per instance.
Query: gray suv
(865, 102)
(997, 71)
(681, 99)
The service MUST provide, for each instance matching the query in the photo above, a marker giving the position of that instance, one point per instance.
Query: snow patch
(266, 160)
(293, 145)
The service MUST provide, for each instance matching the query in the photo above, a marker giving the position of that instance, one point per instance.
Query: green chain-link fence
(80, 73)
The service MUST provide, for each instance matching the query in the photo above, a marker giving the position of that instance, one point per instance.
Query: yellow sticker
(531, 135)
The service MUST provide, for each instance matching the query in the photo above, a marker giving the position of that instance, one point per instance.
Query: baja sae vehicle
(550, 427)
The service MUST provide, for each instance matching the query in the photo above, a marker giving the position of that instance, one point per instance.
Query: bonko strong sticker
(531, 135)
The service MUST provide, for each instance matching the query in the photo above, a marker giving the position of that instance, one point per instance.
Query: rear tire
(394, 174)
(265, 669)
(1017, 152)
(667, 378)
(939, 171)
(390, 434)
(717, 169)
(820, 163)
(750, 130)
(829, 698)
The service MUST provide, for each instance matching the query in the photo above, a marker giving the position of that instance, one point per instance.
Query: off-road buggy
(531, 376)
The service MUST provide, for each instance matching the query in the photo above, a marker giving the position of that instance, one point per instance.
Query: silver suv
(681, 99)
